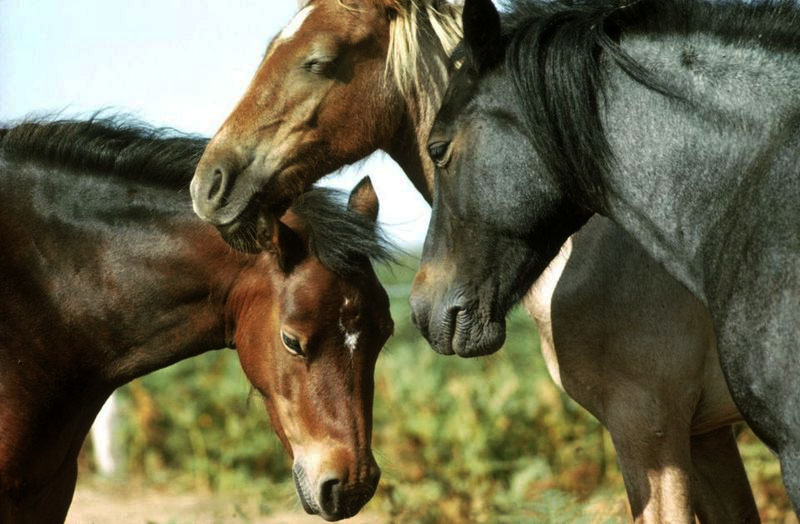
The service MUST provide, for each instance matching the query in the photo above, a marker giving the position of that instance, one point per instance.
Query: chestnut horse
(347, 78)
(108, 275)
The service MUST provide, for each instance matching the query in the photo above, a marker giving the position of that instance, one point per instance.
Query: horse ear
(482, 32)
(363, 200)
(287, 246)
(282, 241)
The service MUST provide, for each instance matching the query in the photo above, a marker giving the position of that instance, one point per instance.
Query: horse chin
(240, 236)
(304, 491)
(477, 340)
(244, 232)
(463, 333)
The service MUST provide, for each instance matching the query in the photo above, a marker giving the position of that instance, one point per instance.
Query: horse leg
(790, 471)
(655, 461)
(720, 490)
(50, 505)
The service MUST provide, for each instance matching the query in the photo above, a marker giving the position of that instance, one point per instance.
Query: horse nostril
(215, 191)
(329, 493)
(458, 320)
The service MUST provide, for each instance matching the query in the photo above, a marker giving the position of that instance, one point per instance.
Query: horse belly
(537, 303)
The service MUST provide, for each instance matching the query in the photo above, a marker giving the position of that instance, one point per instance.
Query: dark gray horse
(680, 121)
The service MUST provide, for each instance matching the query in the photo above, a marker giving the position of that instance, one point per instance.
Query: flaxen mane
(423, 35)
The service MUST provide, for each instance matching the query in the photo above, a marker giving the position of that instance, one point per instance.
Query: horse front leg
(790, 471)
(48, 505)
(720, 490)
(655, 459)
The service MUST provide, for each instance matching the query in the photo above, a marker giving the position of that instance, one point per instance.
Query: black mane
(342, 239)
(109, 145)
(554, 54)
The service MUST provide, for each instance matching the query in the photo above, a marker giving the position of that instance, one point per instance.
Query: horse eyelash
(318, 65)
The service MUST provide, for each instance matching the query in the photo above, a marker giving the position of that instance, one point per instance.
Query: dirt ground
(121, 504)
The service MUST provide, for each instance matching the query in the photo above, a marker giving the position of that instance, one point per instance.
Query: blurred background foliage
(480, 440)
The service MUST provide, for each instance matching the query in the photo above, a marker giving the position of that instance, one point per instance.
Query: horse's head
(343, 79)
(311, 107)
(498, 216)
(309, 343)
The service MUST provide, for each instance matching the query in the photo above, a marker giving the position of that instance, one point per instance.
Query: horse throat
(423, 39)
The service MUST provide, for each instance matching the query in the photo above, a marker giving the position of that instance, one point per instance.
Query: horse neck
(127, 279)
(198, 272)
(408, 149)
(422, 42)
(685, 190)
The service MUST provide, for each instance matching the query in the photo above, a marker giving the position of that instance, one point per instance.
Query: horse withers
(108, 275)
(680, 120)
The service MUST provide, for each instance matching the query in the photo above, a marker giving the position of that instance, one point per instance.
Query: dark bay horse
(668, 412)
(108, 275)
(678, 119)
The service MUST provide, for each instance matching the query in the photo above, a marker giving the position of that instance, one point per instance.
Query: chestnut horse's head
(335, 85)
(309, 341)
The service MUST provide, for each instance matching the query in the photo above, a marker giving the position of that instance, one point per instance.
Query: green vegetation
(484, 440)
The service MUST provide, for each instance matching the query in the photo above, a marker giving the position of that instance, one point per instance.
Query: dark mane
(554, 53)
(342, 239)
(111, 145)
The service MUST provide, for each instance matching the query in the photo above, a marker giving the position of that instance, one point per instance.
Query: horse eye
(292, 345)
(317, 66)
(438, 152)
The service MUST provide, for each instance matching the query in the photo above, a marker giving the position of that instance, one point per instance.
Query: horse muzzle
(331, 494)
(453, 325)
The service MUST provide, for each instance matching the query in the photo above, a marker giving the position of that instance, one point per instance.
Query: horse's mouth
(461, 331)
(251, 230)
(240, 234)
(303, 489)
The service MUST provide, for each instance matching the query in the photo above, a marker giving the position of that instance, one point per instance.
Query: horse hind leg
(720, 490)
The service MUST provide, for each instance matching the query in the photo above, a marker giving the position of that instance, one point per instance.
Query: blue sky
(177, 63)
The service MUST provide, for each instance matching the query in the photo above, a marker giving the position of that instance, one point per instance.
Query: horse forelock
(343, 240)
(423, 33)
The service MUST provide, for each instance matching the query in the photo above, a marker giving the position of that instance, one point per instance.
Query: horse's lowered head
(493, 196)
(310, 348)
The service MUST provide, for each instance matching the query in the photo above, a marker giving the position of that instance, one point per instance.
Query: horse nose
(338, 500)
(210, 189)
(330, 491)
